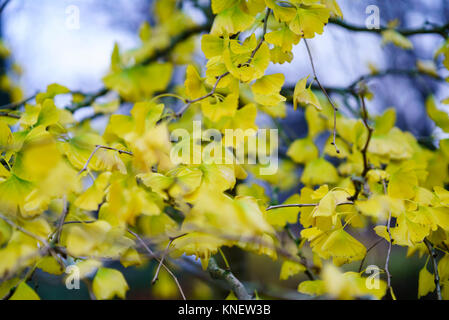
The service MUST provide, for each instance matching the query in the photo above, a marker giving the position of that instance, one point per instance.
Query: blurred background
(49, 49)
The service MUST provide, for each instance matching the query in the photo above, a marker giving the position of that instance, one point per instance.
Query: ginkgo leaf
(319, 171)
(309, 20)
(283, 13)
(440, 117)
(392, 36)
(52, 91)
(109, 283)
(305, 96)
(212, 45)
(194, 85)
(303, 151)
(342, 246)
(93, 196)
(136, 83)
(426, 283)
(284, 38)
(266, 89)
(312, 287)
(245, 67)
(290, 268)
(232, 20)
(24, 292)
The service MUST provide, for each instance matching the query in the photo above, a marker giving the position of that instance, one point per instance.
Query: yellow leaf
(290, 268)
(24, 292)
(304, 96)
(109, 283)
(303, 151)
(426, 283)
(318, 172)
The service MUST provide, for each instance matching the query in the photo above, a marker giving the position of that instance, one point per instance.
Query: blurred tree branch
(441, 30)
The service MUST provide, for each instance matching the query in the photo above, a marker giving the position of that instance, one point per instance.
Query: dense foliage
(73, 195)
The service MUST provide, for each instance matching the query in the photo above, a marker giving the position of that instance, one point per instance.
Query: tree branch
(301, 205)
(236, 286)
(433, 257)
(441, 30)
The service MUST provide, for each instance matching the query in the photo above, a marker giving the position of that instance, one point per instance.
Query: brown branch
(433, 257)
(334, 132)
(441, 30)
(236, 286)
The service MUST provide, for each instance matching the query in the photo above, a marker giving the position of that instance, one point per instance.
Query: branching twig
(153, 256)
(442, 30)
(433, 257)
(334, 132)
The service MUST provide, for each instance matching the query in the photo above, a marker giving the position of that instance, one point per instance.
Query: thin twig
(61, 221)
(366, 254)
(301, 205)
(139, 238)
(433, 257)
(334, 132)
